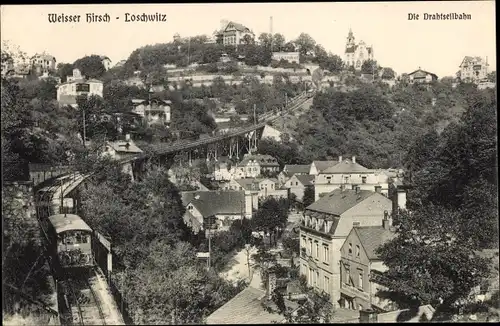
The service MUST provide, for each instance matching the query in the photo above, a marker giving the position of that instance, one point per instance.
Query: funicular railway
(70, 244)
(82, 290)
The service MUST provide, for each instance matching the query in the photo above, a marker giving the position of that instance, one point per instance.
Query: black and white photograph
(249, 163)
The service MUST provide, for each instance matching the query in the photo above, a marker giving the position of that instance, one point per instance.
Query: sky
(405, 45)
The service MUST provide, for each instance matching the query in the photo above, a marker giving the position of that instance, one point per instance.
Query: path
(239, 271)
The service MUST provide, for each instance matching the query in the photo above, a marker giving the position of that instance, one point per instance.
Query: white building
(106, 62)
(287, 56)
(234, 33)
(356, 54)
(75, 86)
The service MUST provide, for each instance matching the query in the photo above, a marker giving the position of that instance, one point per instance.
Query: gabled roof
(305, 179)
(471, 60)
(346, 166)
(247, 308)
(372, 237)
(247, 183)
(323, 165)
(419, 73)
(262, 159)
(339, 201)
(210, 203)
(270, 179)
(297, 168)
(237, 26)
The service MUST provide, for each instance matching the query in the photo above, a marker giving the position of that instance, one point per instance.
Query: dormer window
(190, 207)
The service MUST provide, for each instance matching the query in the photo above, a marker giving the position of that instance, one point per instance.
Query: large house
(263, 187)
(324, 227)
(359, 263)
(473, 69)
(356, 54)
(224, 206)
(233, 33)
(121, 149)
(289, 170)
(421, 76)
(43, 63)
(298, 184)
(349, 173)
(77, 85)
(154, 111)
(317, 167)
(254, 165)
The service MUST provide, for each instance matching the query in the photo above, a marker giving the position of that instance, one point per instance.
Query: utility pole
(209, 247)
(254, 114)
(84, 130)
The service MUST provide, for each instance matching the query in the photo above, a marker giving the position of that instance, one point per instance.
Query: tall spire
(350, 33)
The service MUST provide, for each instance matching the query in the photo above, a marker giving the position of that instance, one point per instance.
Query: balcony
(354, 292)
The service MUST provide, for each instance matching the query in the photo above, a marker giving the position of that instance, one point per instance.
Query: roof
(67, 222)
(270, 179)
(297, 168)
(339, 201)
(80, 80)
(306, 179)
(262, 159)
(247, 183)
(245, 308)
(103, 57)
(372, 237)
(471, 60)
(124, 146)
(44, 56)
(406, 315)
(237, 26)
(323, 165)
(210, 203)
(192, 221)
(346, 166)
(419, 73)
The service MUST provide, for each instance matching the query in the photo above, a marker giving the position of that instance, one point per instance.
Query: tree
(332, 63)
(265, 40)
(278, 42)
(309, 196)
(90, 66)
(388, 73)
(428, 262)
(492, 77)
(305, 43)
(247, 39)
(64, 70)
(369, 67)
(271, 217)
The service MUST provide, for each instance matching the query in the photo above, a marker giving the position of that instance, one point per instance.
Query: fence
(121, 302)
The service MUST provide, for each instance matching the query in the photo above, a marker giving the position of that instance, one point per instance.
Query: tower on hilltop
(350, 39)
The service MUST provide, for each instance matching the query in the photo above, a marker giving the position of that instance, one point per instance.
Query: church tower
(350, 39)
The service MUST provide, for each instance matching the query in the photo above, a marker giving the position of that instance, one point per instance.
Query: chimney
(271, 284)
(387, 221)
(367, 316)
(354, 159)
(357, 189)
(340, 159)
(127, 137)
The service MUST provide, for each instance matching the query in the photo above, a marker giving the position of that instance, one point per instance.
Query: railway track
(85, 306)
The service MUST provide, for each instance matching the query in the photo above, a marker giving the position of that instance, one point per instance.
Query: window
(317, 251)
(326, 285)
(316, 279)
(326, 256)
(363, 179)
(310, 277)
(360, 279)
(350, 248)
(190, 207)
(357, 251)
(347, 275)
(296, 183)
(310, 246)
